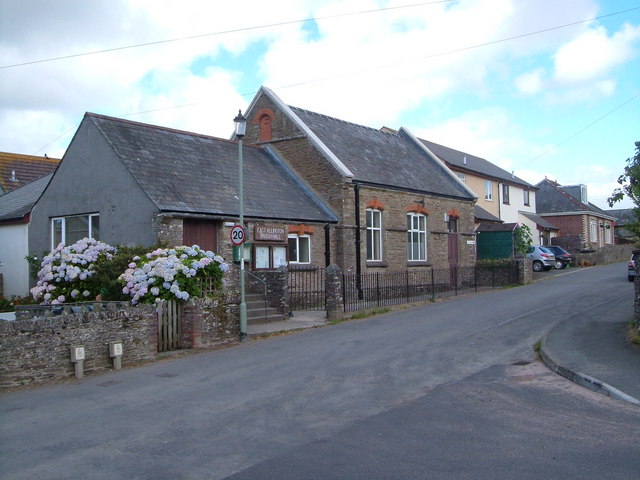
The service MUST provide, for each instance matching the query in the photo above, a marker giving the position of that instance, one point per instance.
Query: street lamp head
(241, 124)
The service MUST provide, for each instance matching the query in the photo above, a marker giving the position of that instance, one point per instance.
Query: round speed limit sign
(237, 235)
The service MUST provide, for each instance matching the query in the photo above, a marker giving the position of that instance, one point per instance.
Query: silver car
(543, 258)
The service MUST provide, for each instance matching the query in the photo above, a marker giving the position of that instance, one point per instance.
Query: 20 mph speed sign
(237, 235)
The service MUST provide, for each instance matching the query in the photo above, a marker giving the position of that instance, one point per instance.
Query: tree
(629, 183)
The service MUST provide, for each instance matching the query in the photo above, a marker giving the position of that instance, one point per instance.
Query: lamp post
(241, 127)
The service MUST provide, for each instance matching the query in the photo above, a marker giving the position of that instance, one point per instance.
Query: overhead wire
(223, 32)
(434, 55)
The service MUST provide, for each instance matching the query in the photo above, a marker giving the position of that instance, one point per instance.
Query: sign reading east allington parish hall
(270, 233)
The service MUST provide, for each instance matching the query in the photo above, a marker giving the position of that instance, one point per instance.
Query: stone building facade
(359, 172)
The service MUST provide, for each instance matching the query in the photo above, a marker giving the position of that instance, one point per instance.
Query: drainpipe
(356, 191)
(499, 200)
(327, 245)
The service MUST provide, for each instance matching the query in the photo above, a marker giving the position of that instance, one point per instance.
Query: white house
(15, 210)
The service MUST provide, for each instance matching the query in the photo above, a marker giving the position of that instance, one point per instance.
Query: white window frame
(298, 249)
(374, 252)
(420, 233)
(593, 231)
(607, 234)
(488, 190)
(63, 228)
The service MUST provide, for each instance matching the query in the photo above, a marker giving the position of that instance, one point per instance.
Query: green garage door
(493, 245)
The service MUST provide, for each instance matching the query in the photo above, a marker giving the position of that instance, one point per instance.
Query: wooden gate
(169, 325)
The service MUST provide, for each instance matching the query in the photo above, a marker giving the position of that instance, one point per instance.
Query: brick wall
(579, 226)
(569, 225)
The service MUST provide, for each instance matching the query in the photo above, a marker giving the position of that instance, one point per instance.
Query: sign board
(238, 235)
(77, 353)
(471, 242)
(270, 233)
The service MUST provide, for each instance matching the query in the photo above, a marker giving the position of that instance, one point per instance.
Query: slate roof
(480, 166)
(496, 227)
(382, 158)
(552, 199)
(19, 202)
(484, 216)
(16, 170)
(540, 221)
(191, 173)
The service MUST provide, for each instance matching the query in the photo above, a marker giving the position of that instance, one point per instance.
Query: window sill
(376, 264)
(302, 266)
(418, 263)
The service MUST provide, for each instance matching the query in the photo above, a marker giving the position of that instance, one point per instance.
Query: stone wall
(168, 230)
(277, 287)
(38, 349)
(293, 146)
(605, 255)
(208, 322)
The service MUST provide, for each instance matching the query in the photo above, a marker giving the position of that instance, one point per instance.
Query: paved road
(216, 414)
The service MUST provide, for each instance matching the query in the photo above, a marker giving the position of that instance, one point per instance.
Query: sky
(541, 88)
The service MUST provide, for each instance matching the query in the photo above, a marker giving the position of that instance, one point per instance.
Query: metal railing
(406, 286)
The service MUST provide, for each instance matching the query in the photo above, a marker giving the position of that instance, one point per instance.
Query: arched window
(265, 128)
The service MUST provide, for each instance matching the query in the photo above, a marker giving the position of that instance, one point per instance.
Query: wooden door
(203, 233)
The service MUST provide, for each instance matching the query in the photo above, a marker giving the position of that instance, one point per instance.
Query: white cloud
(490, 133)
(371, 68)
(530, 83)
(593, 54)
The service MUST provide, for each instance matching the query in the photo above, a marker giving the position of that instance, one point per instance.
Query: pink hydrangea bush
(171, 274)
(66, 273)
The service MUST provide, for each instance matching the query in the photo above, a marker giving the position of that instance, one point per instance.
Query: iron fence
(396, 287)
(307, 289)
(307, 286)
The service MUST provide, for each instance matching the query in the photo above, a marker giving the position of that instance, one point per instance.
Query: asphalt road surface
(428, 392)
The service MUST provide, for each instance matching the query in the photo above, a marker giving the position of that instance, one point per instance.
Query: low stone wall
(604, 255)
(37, 350)
(208, 322)
(277, 287)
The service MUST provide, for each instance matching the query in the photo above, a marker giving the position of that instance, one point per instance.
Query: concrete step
(261, 311)
(262, 319)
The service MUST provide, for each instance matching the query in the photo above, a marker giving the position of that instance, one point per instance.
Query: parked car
(543, 258)
(631, 266)
(563, 258)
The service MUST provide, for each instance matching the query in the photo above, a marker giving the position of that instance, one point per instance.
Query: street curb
(582, 379)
